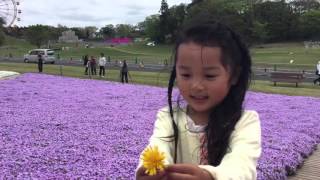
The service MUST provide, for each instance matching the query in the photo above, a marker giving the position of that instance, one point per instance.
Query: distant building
(69, 37)
(119, 41)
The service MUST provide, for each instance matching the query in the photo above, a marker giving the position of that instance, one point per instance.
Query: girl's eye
(185, 75)
(209, 76)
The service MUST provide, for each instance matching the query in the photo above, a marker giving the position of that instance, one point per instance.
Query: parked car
(47, 55)
(152, 43)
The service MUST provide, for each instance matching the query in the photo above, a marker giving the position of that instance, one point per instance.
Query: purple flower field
(55, 127)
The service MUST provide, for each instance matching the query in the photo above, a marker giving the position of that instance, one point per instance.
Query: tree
(136, 32)
(15, 31)
(163, 24)
(281, 22)
(195, 2)
(303, 6)
(176, 18)
(310, 25)
(57, 32)
(38, 34)
(90, 32)
(80, 32)
(108, 31)
(255, 20)
(259, 32)
(151, 27)
(124, 30)
(234, 13)
(2, 36)
(54, 33)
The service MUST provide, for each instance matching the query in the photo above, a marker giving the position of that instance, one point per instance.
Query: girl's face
(201, 78)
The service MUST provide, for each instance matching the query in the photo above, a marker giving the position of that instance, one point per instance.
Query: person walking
(93, 65)
(141, 65)
(102, 65)
(124, 72)
(85, 63)
(317, 73)
(40, 63)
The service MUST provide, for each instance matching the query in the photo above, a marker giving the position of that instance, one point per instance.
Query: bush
(2, 37)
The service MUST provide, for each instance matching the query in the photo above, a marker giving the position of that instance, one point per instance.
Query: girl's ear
(235, 76)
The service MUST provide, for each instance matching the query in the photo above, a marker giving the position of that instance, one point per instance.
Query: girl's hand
(187, 172)
(141, 175)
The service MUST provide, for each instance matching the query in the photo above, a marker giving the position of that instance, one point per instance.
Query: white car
(47, 55)
(151, 43)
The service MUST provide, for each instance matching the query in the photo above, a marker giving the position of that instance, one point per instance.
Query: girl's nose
(197, 84)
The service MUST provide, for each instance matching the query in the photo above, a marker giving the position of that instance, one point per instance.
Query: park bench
(290, 77)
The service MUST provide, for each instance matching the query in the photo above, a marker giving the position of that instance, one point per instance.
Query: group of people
(91, 67)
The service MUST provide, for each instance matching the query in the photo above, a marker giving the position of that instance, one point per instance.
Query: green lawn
(266, 55)
(16, 47)
(150, 78)
(139, 51)
(304, 89)
(281, 56)
(161, 79)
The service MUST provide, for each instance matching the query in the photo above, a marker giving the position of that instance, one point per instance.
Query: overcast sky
(80, 13)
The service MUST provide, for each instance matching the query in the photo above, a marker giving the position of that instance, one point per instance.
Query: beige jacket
(238, 164)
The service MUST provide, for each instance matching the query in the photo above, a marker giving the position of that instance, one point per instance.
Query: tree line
(258, 21)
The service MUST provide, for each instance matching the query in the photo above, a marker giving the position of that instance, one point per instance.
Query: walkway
(310, 169)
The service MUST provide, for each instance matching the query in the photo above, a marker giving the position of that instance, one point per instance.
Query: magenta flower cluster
(55, 127)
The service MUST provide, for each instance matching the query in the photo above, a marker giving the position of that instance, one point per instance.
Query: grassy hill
(282, 53)
(266, 55)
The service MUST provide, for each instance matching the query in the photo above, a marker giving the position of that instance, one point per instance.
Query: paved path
(259, 73)
(310, 169)
(8, 74)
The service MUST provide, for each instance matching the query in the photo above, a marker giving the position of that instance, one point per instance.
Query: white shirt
(238, 164)
(318, 67)
(102, 61)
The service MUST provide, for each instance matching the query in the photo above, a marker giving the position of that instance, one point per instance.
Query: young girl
(212, 137)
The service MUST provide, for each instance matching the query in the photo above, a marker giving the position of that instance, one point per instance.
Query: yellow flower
(153, 160)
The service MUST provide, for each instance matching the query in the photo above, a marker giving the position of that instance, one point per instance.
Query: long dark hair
(235, 55)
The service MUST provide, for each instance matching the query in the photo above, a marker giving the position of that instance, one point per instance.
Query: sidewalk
(8, 74)
(310, 170)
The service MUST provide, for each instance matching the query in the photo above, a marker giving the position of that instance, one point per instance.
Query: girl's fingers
(140, 171)
(182, 168)
(141, 175)
(186, 171)
(177, 176)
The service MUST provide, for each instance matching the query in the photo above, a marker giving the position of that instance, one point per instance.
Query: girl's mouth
(199, 98)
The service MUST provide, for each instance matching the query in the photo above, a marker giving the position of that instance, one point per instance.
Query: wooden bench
(291, 77)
